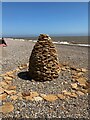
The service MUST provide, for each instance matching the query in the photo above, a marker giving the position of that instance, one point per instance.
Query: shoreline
(55, 42)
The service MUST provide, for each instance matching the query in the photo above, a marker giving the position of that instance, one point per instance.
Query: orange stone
(3, 96)
(38, 98)
(1, 90)
(10, 92)
(7, 78)
(82, 81)
(50, 97)
(73, 95)
(12, 88)
(80, 74)
(83, 70)
(8, 81)
(70, 94)
(12, 76)
(74, 85)
(2, 75)
(79, 93)
(30, 95)
(6, 108)
(14, 97)
(34, 94)
(20, 97)
(61, 96)
(10, 72)
(29, 98)
(4, 84)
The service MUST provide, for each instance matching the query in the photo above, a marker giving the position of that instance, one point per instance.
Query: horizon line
(35, 35)
(49, 35)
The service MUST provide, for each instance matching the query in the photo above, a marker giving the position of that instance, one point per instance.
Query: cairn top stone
(43, 62)
(44, 36)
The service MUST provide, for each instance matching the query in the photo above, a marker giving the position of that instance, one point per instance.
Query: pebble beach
(71, 58)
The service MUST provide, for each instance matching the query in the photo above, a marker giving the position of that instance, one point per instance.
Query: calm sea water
(74, 39)
(67, 40)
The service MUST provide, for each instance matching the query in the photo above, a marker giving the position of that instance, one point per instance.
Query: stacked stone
(43, 62)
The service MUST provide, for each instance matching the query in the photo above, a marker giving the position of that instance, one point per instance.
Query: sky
(53, 18)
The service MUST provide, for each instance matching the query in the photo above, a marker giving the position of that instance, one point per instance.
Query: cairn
(43, 62)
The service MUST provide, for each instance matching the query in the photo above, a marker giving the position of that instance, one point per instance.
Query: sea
(61, 40)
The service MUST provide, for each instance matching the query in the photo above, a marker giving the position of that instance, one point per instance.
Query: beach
(18, 52)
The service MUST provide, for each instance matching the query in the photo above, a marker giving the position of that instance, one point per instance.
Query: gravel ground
(17, 53)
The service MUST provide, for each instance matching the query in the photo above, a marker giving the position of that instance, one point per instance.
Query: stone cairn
(43, 62)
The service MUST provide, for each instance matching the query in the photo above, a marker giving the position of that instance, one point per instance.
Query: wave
(67, 43)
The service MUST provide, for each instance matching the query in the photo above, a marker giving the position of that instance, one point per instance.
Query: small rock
(63, 68)
(29, 98)
(17, 70)
(26, 93)
(20, 97)
(88, 91)
(12, 88)
(23, 66)
(8, 82)
(80, 74)
(64, 91)
(2, 75)
(34, 94)
(50, 97)
(70, 94)
(67, 93)
(88, 84)
(79, 93)
(85, 91)
(67, 67)
(74, 85)
(73, 68)
(65, 63)
(3, 96)
(7, 78)
(73, 95)
(10, 92)
(83, 70)
(62, 108)
(61, 96)
(38, 98)
(12, 76)
(78, 69)
(14, 97)
(73, 72)
(82, 81)
(75, 77)
(6, 108)
(4, 84)
(9, 73)
(1, 90)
